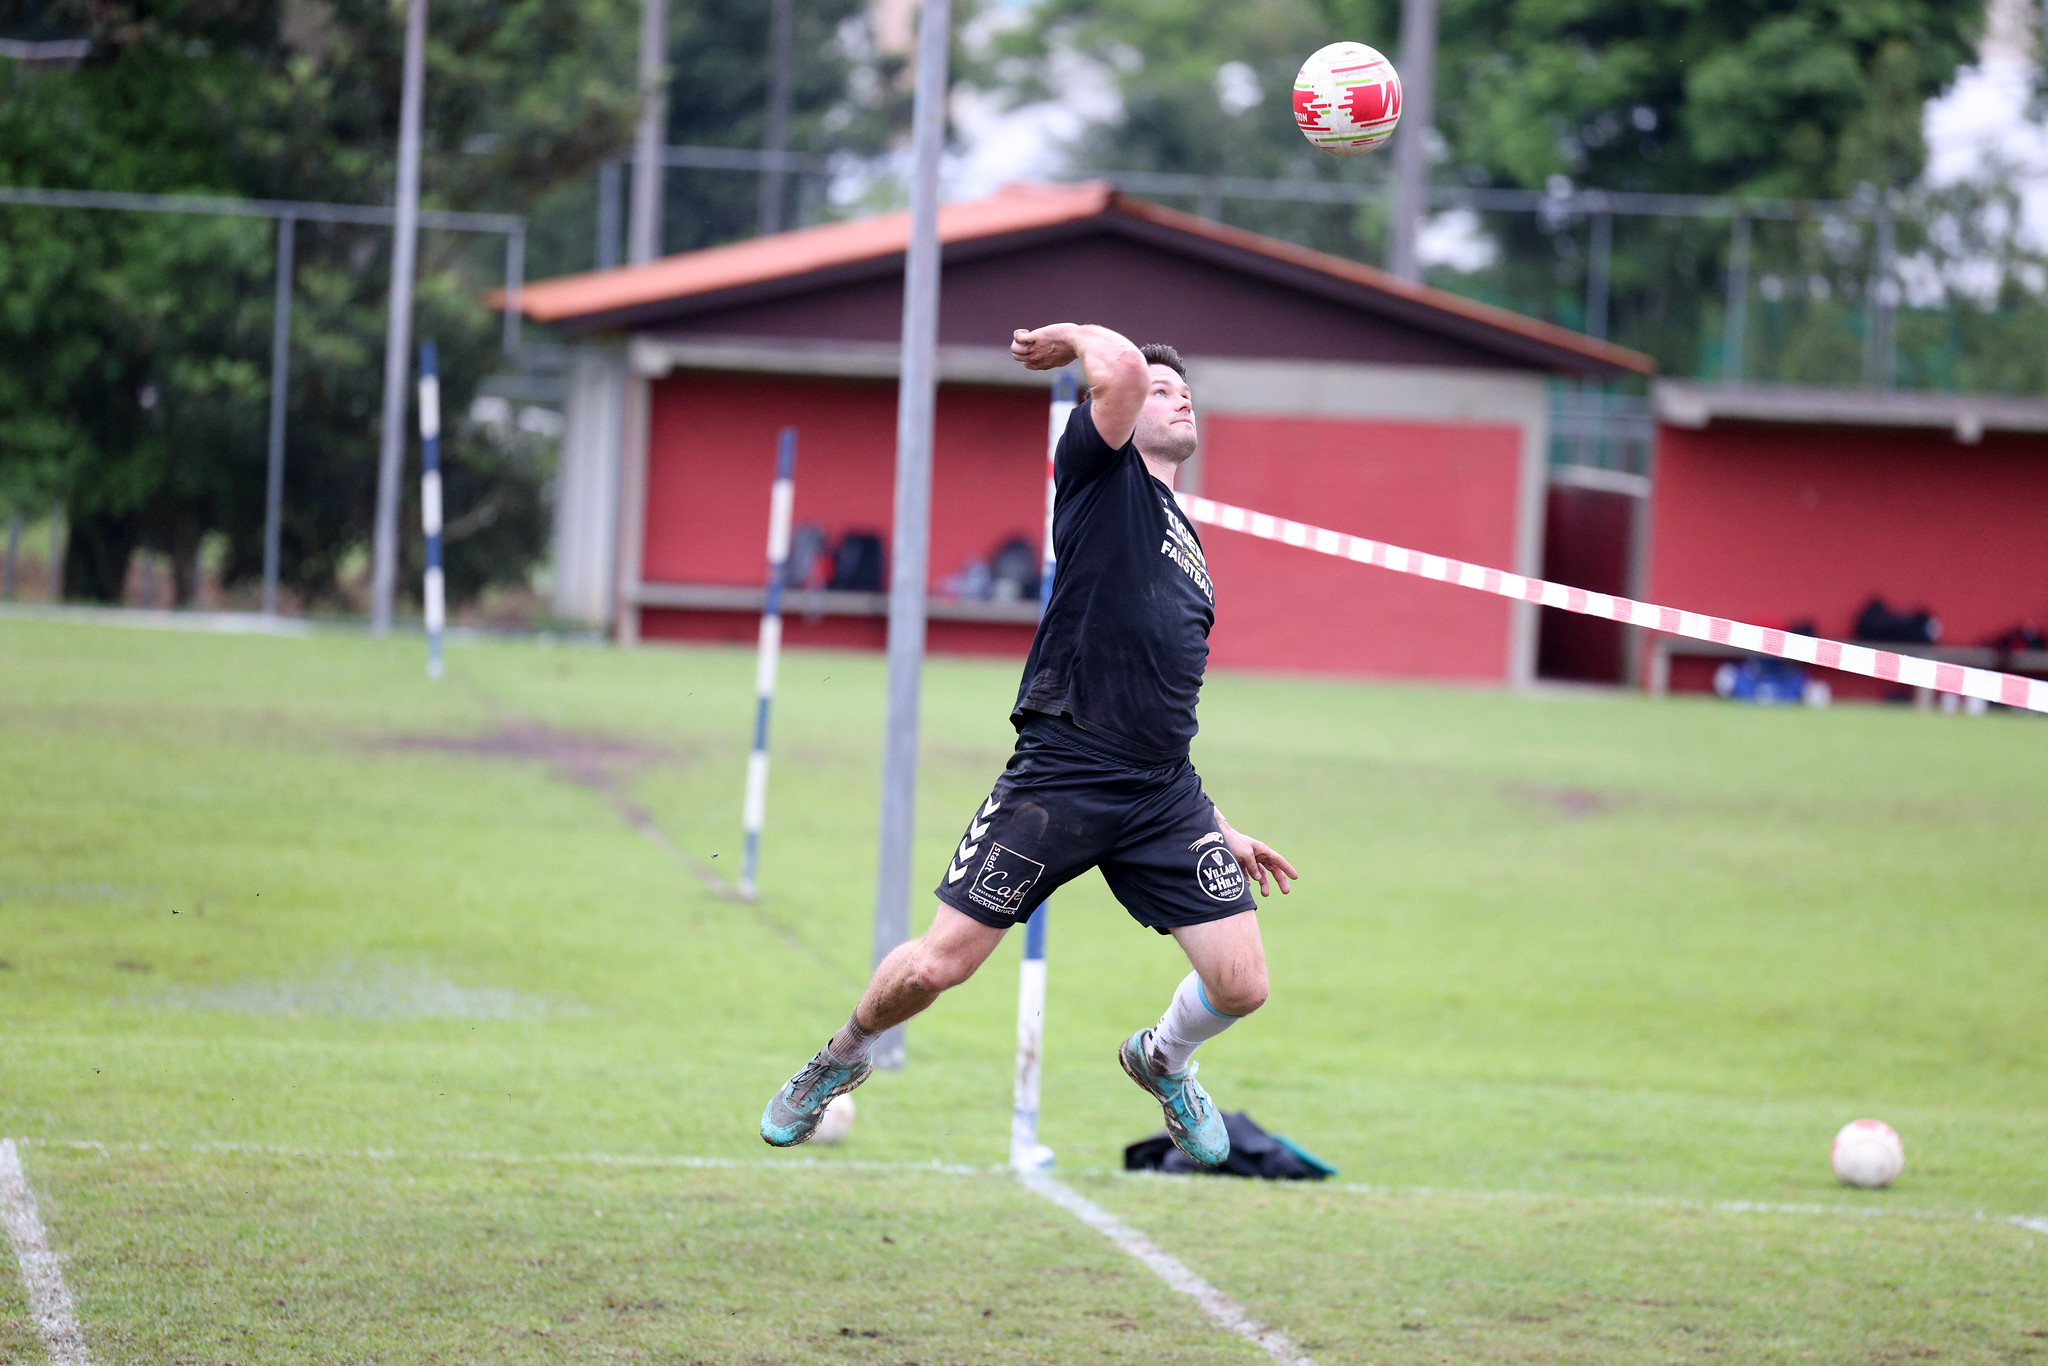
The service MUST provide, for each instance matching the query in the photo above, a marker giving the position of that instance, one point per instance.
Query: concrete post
(643, 219)
(280, 382)
(1735, 318)
(1411, 140)
(405, 234)
(916, 397)
(781, 80)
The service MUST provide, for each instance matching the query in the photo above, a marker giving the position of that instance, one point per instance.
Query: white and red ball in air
(1347, 99)
(1867, 1153)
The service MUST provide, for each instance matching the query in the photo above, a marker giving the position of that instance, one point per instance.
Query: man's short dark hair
(1155, 353)
(1158, 353)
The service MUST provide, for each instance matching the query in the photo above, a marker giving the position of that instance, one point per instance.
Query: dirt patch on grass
(1573, 803)
(604, 764)
(577, 756)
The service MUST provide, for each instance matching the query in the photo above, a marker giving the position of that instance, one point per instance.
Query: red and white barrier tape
(1992, 686)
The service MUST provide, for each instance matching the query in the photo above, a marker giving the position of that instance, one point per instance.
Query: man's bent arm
(1115, 370)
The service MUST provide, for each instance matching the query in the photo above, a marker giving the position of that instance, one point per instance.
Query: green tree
(135, 347)
(1813, 99)
(1204, 90)
(719, 97)
(1801, 98)
(134, 352)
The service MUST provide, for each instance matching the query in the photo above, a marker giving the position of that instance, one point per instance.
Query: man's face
(1166, 424)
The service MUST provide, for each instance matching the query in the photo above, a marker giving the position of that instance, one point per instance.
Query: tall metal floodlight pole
(280, 380)
(643, 217)
(405, 235)
(1735, 321)
(1411, 143)
(12, 565)
(781, 77)
(915, 395)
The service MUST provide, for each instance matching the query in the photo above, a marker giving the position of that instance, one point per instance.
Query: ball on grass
(837, 1122)
(1347, 99)
(1867, 1153)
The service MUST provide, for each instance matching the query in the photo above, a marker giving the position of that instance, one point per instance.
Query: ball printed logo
(1217, 872)
(1347, 99)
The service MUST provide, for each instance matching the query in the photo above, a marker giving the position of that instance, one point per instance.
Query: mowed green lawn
(347, 1017)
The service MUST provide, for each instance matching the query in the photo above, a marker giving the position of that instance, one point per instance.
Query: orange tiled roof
(1373, 278)
(783, 254)
(1016, 208)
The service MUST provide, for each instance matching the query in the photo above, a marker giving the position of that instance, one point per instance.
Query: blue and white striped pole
(435, 593)
(781, 502)
(1026, 1152)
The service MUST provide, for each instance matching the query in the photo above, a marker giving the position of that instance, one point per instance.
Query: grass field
(350, 1018)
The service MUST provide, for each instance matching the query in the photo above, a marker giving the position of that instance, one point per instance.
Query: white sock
(1189, 1020)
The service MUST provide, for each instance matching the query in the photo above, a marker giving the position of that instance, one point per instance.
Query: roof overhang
(789, 262)
(1968, 416)
(653, 355)
(665, 292)
(1538, 344)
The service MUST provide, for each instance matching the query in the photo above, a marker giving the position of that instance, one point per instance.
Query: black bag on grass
(1253, 1152)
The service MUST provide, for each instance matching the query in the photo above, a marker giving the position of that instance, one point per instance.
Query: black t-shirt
(1121, 648)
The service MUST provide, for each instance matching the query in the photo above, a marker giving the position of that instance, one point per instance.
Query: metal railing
(1559, 203)
(288, 213)
(1593, 428)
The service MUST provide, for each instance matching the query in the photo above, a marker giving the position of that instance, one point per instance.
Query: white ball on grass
(1868, 1153)
(837, 1122)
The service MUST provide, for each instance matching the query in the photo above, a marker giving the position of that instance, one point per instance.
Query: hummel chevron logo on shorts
(977, 830)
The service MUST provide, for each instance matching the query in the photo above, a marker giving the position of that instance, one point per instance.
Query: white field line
(1213, 1302)
(51, 1307)
(1168, 1268)
(934, 1167)
(49, 1299)
(2026, 1221)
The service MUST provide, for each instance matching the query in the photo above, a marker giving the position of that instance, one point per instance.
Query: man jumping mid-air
(1100, 777)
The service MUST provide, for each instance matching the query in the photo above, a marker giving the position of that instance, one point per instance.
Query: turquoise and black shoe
(1191, 1119)
(793, 1112)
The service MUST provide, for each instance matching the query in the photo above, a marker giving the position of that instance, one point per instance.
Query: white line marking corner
(49, 1299)
(1217, 1305)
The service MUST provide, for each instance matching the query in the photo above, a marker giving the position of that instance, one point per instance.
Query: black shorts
(1061, 808)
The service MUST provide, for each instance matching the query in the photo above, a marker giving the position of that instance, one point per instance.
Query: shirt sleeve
(1082, 454)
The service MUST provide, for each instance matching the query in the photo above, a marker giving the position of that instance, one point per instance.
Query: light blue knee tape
(1203, 992)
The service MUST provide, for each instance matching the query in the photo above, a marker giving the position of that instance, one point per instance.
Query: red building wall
(711, 460)
(1449, 489)
(1774, 524)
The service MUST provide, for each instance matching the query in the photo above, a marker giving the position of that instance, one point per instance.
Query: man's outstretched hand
(1046, 348)
(1258, 859)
